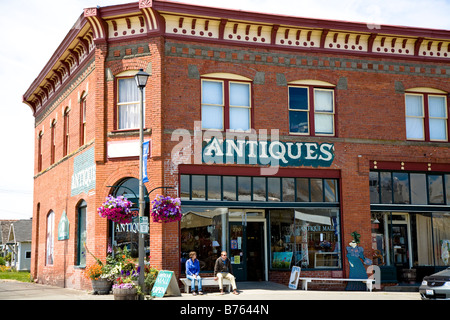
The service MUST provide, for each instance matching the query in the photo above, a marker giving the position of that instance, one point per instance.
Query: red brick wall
(370, 125)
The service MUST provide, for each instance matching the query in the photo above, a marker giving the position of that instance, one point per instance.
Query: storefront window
(288, 189)
(386, 187)
(330, 186)
(203, 230)
(374, 186)
(422, 239)
(214, 187)
(316, 190)
(229, 188)
(303, 189)
(401, 187)
(441, 231)
(274, 189)
(418, 188)
(244, 188)
(198, 187)
(305, 237)
(411, 239)
(435, 189)
(259, 189)
(248, 189)
(185, 187)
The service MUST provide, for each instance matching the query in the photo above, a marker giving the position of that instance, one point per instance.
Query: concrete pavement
(14, 290)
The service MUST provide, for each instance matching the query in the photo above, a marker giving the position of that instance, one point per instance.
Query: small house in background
(4, 232)
(19, 243)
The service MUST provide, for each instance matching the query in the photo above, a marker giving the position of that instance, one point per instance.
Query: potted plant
(116, 209)
(100, 283)
(151, 273)
(101, 275)
(125, 288)
(166, 209)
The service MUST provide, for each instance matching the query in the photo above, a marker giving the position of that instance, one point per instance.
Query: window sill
(128, 132)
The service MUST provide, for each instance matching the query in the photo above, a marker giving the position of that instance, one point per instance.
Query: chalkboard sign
(165, 284)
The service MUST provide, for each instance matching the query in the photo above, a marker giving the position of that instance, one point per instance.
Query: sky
(32, 30)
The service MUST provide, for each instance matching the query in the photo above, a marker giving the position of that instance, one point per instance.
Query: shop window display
(203, 230)
(305, 237)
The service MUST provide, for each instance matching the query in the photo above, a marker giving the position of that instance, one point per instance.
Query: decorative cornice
(175, 20)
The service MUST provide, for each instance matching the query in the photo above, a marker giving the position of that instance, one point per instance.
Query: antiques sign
(264, 152)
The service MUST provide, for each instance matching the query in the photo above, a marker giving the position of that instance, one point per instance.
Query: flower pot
(125, 294)
(101, 286)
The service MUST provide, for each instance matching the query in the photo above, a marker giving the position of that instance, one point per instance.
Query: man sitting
(222, 269)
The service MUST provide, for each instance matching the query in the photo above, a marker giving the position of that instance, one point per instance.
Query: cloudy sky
(32, 30)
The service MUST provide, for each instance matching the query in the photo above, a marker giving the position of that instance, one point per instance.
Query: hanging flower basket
(166, 209)
(116, 209)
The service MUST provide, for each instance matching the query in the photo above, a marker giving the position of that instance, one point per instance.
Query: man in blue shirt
(192, 272)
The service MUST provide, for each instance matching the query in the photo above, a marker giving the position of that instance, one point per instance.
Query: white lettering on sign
(127, 227)
(83, 178)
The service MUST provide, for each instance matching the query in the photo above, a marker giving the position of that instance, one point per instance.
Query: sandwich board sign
(165, 285)
(293, 281)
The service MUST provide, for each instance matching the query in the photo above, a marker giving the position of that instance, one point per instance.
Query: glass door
(247, 238)
(400, 240)
(238, 254)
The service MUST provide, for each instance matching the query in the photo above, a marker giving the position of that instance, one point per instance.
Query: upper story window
(83, 118)
(39, 157)
(311, 108)
(53, 144)
(226, 102)
(66, 132)
(426, 114)
(128, 101)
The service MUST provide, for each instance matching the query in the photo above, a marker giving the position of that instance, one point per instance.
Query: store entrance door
(248, 245)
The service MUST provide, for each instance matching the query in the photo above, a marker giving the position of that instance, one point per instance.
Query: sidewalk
(14, 290)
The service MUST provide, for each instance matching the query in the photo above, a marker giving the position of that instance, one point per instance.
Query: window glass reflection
(203, 230)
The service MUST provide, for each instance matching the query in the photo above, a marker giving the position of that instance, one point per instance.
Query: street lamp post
(141, 81)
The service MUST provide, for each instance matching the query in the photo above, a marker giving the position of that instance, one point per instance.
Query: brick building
(281, 135)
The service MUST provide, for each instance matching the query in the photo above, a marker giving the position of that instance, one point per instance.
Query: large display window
(203, 230)
(305, 237)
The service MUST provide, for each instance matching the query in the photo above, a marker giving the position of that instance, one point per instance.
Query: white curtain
(212, 105)
(239, 97)
(323, 107)
(50, 236)
(414, 117)
(438, 118)
(129, 101)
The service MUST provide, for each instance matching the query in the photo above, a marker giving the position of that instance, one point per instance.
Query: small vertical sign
(145, 147)
(293, 281)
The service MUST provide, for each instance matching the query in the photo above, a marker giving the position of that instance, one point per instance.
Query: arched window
(81, 233)
(127, 235)
(39, 157)
(53, 144)
(226, 102)
(426, 114)
(83, 110)
(66, 132)
(50, 238)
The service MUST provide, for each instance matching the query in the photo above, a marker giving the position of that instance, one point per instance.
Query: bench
(206, 282)
(305, 281)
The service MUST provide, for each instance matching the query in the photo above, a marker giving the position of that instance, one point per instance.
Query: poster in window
(282, 260)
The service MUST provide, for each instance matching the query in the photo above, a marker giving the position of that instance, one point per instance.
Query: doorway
(248, 245)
